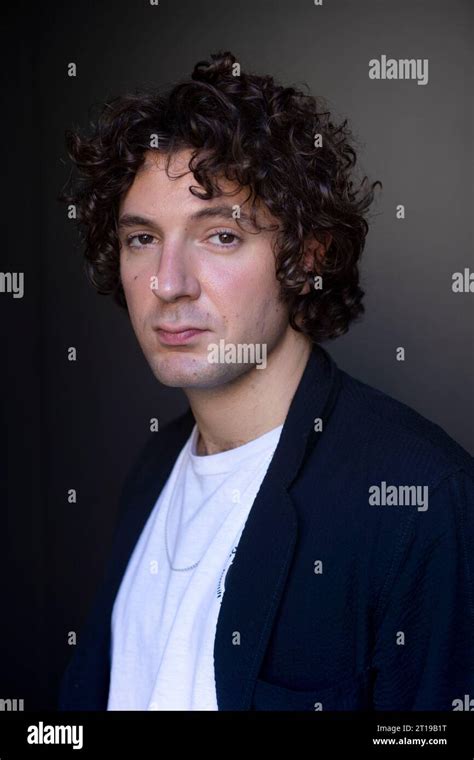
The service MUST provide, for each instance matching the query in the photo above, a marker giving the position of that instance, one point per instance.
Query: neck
(258, 401)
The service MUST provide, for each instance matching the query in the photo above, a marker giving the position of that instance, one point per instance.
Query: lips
(178, 337)
(172, 329)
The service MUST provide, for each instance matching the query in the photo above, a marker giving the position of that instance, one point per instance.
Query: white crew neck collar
(225, 461)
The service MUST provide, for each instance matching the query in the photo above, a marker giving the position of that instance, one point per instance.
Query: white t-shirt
(164, 621)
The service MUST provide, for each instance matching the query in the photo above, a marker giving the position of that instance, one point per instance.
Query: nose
(174, 276)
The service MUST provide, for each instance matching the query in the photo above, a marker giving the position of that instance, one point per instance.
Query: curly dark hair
(252, 131)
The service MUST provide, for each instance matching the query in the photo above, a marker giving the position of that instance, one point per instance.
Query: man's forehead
(156, 161)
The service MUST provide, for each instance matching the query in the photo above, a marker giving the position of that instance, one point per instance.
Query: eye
(139, 236)
(226, 234)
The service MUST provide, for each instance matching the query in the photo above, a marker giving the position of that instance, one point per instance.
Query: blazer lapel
(256, 578)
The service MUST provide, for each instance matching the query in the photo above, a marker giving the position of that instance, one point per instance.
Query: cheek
(251, 301)
(256, 282)
(128, 271)
(134, 280)
(266, 297)
(136, 286)
(259, 291)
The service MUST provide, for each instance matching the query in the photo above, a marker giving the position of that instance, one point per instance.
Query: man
(296, 540)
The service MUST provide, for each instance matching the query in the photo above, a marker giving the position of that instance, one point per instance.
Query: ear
(314, 253)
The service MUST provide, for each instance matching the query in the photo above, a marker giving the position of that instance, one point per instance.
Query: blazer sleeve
(424, 642)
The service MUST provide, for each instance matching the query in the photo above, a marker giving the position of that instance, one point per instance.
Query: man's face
(180, 269)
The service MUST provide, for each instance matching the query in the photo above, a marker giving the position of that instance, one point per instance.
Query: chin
(191, 371)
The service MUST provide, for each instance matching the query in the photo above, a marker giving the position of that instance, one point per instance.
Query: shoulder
(395, 437)
(409, 479)
(420, 525)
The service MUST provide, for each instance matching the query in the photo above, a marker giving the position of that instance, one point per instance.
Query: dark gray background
(80, 425)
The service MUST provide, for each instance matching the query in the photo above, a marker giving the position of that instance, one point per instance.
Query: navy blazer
(341, 603)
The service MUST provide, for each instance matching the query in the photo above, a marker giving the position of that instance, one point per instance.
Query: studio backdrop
(79, 424)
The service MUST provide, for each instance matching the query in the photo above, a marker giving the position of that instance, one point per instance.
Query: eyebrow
(222, 212)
